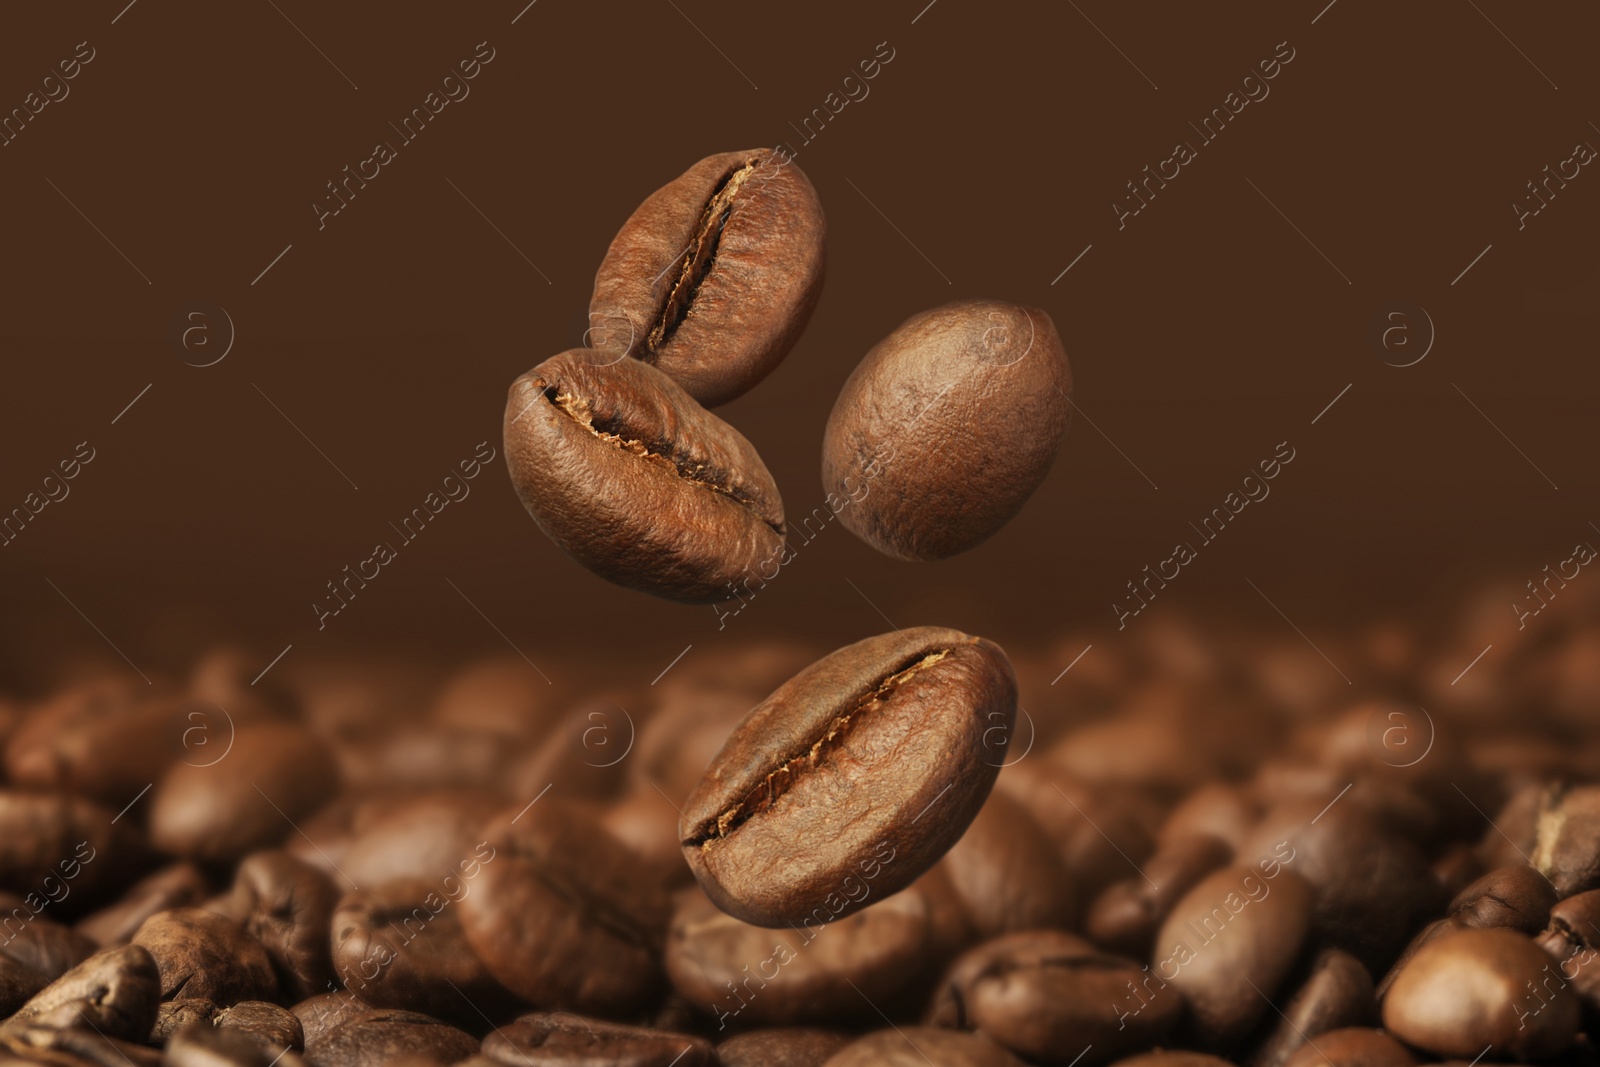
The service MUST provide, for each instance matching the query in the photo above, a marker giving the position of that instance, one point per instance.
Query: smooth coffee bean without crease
(378, 1038)
(1353, 1047)
(1230, 941)
(946, 428)
(556, 1039)
(1007, 875)
(781, 1047)
(202, 954)
(853, 778)
(1046, 995)
(1336, 993)
(920, 1046)
(1482, 989)
(712, 279)
(633, 479)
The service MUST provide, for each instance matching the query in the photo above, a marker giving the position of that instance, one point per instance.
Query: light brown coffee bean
(853, 778)
(1336, 993)
(202, 954)
(790, 1046)
(1353, 1047)
(1006, 874)
(1480, 992)
(74, 1047)
(712, 279)
(633, 479)
(1229, 942)
(946, 428)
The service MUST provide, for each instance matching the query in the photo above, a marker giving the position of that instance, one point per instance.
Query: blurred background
(1247, 304)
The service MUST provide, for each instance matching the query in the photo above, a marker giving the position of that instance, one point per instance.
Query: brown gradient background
(1201, 335)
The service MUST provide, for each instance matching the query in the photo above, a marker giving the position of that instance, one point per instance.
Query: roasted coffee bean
(430, 835)
(1102, 834)
(1172, 1058)
(177, 886)
(646, 822)
(1045, 995)
(712, 279)
(400, 945)
(202, 954)
(200, 1045)
(116, 991)
(268, 1024)
(1127, 914)
(73, 1047)
(56, 847)
(275, 773)
(921, 1046)
(287, 904)
(175, 1015)
(558, 914)
(1373, 886)
(683, 736)
(379, 1038)
(1336, 993)
(19, 983)
(1007, 875)
(1219, 810)
(1353, 1047)
(415, 756)
(33, 938)
(103, 743)
(324, 1013)
(1516, 897)
(946, 428)
(556, 1039)
(816, 802)
(790, 1046)
(1480, 992)
(818, 973)
(633, 479)
(576, 757)
(1230, 943)
(1573, 940)
(1567, 839)
(504, 696)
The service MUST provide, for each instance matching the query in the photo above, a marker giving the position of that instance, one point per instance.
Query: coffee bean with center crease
(61, 851)
(633, 479)
(287, 904)
(115, 990)
(559, 915)
(202, 954)
(381, 1037)
(1046, 994)
(791, 1046)
(324, 1013)
(557, 1039)
(947, 427)
(1229, 944)
(400, 945)
(712, 279)
(1126, 916)
(269, 1025)
(1478, 992)
(853, 778)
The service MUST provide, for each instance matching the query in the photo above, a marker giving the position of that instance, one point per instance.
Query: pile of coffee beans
(703, 292)
(1188, 845)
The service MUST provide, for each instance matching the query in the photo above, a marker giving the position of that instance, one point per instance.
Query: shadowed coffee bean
(781, 1047)
(1127, 914)
(19, 983)
(853, 778)
(73, 1047)
(947, 427)
(1046, 995)
(1567, 839)
(200, 1045)
(633, 479)
(202, 954)
(818, 973)
(1482, 991)
(1336, 993)
(1353, 1047)
(559, 916)
(34, 940)
(1230, 943)
(175, 1015)
(556, 1039)
(324, 1013)
(378, 1038)
(921, 1046)
(61, 847)
(177, 886)
(115, 990)
(267, 1024)
(286, 903)
(712, 279)
(1006, 873)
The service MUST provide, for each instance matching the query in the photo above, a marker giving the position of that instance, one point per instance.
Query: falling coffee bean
(712, 279)
(853, 778)
(947, 427)
(633, 479)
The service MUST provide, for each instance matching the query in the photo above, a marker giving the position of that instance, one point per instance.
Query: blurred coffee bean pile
(1209, 845)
